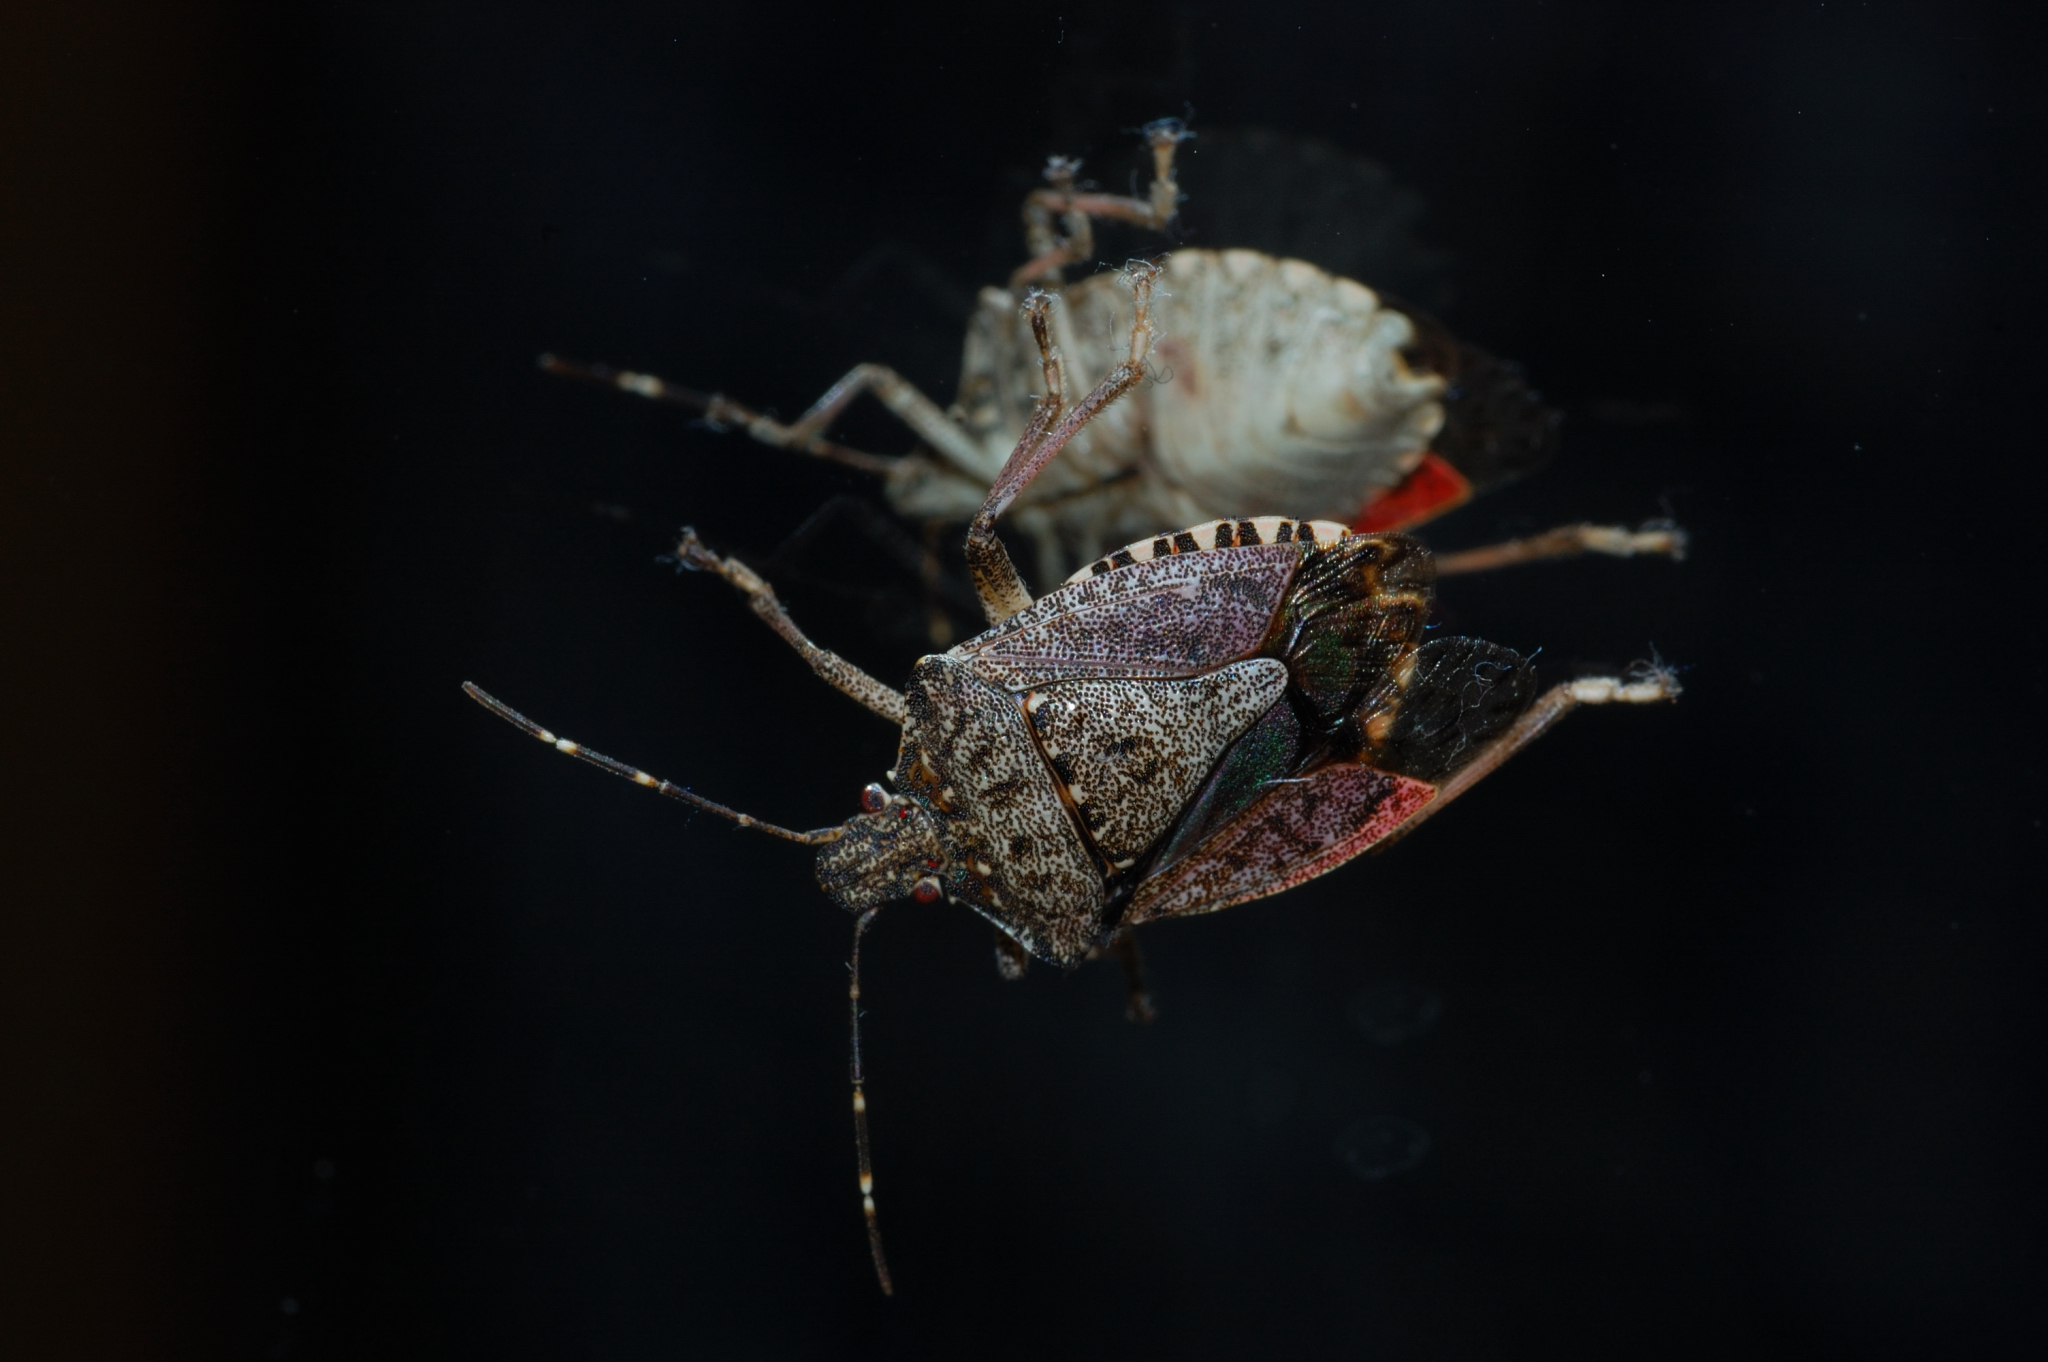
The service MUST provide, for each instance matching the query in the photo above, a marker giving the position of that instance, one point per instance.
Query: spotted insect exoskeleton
(1198, 719)
(1282, 389)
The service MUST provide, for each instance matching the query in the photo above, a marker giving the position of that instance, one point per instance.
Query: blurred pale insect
(1283, 389)
(1199, 719)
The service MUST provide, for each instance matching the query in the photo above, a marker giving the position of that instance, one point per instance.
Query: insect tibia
(1658, 538)
(1038, 309)
(1165, 136)
(1140, 276)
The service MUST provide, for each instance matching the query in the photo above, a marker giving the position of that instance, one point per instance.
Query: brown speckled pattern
(969, 757)
(1132, 753)
(1177, 616)
(1295, 832)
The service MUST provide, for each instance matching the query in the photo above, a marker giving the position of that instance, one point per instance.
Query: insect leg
(806, 434)
(836, 670)
(640, 777)
(1645, 684)
(860, 1110)
(1012, 960)
(1052, 248)
(931, 576)
(1051, 251)
(1138, 1002)
(995, 576)
(1568, 541)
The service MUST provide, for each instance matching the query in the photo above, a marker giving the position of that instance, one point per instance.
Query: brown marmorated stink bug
(1286, 390)
(1199, 719)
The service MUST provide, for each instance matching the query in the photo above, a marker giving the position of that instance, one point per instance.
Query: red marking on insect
(1297, 831)
(1426, 493)
(925, 890)
(903, 813)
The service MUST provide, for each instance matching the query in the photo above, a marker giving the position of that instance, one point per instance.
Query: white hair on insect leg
(1644, 683)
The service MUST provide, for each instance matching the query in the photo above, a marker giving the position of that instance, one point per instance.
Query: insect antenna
(640, 777)
(860, 1111)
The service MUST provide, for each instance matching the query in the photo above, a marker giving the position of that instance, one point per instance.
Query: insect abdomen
(1242, 532)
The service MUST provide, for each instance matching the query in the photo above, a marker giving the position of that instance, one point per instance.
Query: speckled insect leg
(996, 581)
(860, 1110)
(836, 670)
(806, 433)
(1645, 684)
(1138, 999)
(512, 716)
(1052, 251)
(1658, 538)
(1012, 960)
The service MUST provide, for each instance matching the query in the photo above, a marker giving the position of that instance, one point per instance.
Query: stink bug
(1285, 389)
(1196, 720)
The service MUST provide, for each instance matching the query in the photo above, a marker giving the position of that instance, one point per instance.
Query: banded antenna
(817, 837)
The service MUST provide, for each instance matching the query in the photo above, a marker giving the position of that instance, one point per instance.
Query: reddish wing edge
(1433, 488)
(1298, 830)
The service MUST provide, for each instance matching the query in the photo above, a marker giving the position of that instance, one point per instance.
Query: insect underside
(1194, 720)
(1281, 389)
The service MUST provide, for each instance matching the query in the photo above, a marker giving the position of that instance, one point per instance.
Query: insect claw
(1676, 540)
(691, 555)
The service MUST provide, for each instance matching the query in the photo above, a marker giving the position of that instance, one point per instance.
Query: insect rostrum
(1204, 718)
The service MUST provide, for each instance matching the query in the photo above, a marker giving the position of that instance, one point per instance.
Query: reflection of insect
(1286, 390)
(1194, 721)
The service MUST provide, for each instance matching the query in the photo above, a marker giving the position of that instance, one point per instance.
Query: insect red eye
(925, 890)
(874, 799)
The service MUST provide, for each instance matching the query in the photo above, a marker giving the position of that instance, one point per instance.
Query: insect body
(1284, 389)
(1197, 719)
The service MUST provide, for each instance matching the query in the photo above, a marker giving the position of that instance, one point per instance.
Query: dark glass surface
(347, 1022)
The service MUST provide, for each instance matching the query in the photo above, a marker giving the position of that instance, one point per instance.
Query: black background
(342, 1021)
